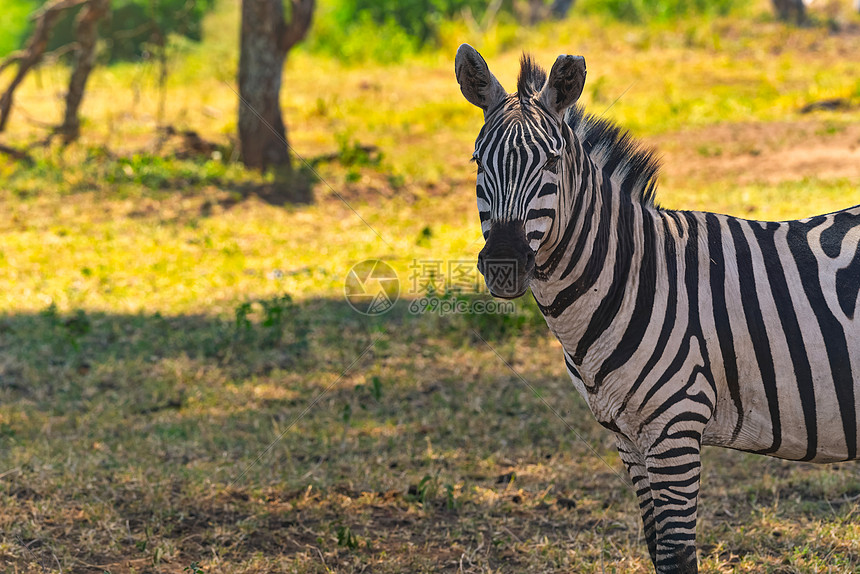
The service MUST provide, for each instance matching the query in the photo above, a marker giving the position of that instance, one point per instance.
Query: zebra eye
(551, 164)
(477, 162)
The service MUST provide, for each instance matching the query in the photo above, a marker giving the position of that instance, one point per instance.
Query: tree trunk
(791, 10)
(86, 36)
(26, 59)
(534, 11)
(265, 40)
(560, 8)
(262, 134)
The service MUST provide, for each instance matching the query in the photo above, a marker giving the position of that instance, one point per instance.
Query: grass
(13, 24)
(131, 443)
(183, 387)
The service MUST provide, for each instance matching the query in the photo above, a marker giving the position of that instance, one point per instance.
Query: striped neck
(596, 256)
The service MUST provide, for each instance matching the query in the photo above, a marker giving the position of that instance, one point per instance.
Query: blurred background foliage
(383, 31)
(386, 31)
(133, 27)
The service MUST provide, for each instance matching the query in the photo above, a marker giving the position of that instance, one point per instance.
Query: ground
(773, 152)
(184, 388)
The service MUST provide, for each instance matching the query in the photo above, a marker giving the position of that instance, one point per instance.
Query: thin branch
(12, 58)
(23, 156)
(45, 19)
(55, 55)
(300, 22)
(87, 35)
(136, 31)
(490, 15)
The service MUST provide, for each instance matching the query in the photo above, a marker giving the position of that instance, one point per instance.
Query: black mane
(615, 151)
(531, 79)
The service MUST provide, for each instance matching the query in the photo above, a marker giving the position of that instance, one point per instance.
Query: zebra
(679, 328)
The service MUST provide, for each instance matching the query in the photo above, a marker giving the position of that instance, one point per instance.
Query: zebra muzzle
(506, 261)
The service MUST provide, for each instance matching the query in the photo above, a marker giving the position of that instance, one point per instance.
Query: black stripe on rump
(831, 330)
(756, 328)
(791, 331)
(832, 237)
(848, 286)
(721, 315)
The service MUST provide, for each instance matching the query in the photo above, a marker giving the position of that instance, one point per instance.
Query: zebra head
(524, 158)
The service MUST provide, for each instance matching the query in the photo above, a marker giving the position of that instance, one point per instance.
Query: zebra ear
(476, 81)
(564, 85)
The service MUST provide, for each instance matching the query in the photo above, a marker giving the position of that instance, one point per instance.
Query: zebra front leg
(635, 463)
(674, 466)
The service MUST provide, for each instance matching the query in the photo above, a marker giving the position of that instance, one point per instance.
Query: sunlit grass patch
(771, 202)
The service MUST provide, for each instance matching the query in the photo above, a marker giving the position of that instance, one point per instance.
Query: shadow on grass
(204, 395)
(208, 390)
(203, 433)
(148, 174)
(289, 431)
(292, 187)
(277, 325)
(76, 363)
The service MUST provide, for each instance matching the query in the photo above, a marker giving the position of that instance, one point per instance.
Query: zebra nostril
(530, 261)
(481, 262)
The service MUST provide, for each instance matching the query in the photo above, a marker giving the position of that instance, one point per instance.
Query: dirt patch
(762, 153)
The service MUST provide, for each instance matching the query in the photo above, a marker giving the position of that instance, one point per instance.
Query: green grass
(13, 24)
(183, 386)
(772, 202)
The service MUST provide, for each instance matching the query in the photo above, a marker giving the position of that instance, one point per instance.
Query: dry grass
(427, 454)
(139, 396)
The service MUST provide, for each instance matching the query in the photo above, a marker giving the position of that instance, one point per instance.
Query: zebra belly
(770, 410)
(795, 440)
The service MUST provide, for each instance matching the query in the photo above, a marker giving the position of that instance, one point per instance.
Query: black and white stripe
(680, 329)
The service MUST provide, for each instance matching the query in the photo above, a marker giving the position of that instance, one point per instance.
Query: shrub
(382, 30)
(388, 30)
(644, 10)
(14, 24)
(134, 25)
